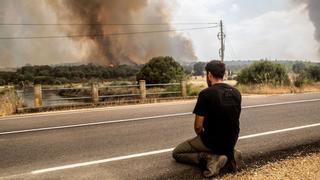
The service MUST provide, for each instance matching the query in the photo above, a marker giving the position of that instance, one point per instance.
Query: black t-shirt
(220, 105)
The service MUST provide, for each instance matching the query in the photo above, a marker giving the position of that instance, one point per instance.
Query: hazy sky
(274, 29)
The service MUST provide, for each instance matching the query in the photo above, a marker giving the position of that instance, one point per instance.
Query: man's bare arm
(198, 124)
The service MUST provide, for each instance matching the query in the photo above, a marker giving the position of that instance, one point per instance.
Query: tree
(161, 70)
(2, 82)
(298, 67)
(263, 72)
(314, 72)
(301, 79)
(199, 68)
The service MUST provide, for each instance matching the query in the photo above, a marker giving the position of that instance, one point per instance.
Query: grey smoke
(135, 49)
(313, 7)
(104, 50)
(43, 51)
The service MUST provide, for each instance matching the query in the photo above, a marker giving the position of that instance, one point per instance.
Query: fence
(95, 95)
(5, 87)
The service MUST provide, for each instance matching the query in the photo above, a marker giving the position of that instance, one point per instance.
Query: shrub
(199, 68)
(161, 70)
(314, 72)
(301, 80)
(298, 67)
(263, 72)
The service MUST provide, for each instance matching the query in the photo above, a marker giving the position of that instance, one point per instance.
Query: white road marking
(94, 123)
(157, 152)
(142, 118)
(101, 161)
(281, 103)
(279, 131)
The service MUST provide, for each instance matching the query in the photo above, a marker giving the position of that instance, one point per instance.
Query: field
(197, 83)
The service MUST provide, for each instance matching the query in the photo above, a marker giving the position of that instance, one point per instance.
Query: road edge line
(130, 156)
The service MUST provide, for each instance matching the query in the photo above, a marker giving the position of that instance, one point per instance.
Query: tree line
(163, 69)
(56, 75)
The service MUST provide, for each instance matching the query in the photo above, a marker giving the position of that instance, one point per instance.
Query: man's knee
(176, 154)
(181, 149)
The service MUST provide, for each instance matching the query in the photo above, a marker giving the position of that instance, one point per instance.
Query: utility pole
(221, 37)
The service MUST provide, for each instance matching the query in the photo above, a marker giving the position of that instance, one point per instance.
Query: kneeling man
(216, 124)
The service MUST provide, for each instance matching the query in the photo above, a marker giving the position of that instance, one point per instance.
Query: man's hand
(198, 124)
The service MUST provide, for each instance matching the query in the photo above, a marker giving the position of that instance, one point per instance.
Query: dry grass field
(197, 83)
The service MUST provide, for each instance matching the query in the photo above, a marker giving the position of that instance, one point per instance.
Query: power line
(233, 52)
(104, 35)
(106, 24)
(232, 49)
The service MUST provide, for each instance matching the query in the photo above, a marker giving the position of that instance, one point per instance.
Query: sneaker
(214, 164)
(202, 161)
(239, 161)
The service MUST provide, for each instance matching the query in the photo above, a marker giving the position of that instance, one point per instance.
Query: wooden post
(222, 36)
(143, 90)
(37, 96)
(183, 88)
(95, 93)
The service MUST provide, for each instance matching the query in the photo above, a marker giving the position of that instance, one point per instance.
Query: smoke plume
(15, 52)
(113, 50)
(313, 7)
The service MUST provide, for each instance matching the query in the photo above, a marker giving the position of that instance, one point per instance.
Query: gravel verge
(300, 162)
(295, 167)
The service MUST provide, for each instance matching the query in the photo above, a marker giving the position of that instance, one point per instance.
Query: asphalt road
(135, 142)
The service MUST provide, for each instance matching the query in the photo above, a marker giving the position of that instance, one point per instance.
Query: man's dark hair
(216, 68)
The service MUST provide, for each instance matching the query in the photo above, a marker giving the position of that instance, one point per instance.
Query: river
(49, 98)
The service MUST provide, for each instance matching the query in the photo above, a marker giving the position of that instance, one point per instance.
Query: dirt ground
(295, 163)
(303, 167)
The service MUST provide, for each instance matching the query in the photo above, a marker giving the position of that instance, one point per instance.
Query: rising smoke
(134, 49)
(15, 52)
(313, 7)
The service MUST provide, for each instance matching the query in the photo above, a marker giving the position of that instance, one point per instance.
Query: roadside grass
(271, 89)
(9, 101)
(197, 83)
(195, 87)
(2, 91)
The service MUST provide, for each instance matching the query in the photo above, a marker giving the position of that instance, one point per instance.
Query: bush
(263, 72)
(2, 82)
(301, 80)
(314, 72)
(161, 70)
(199, 68)
(299, 67)
(43, 80)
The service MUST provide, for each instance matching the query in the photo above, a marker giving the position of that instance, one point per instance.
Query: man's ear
(210, 76)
